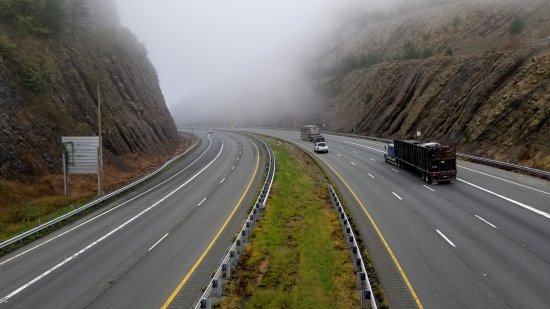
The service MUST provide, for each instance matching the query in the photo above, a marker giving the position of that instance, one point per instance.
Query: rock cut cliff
(474, 74)
(48, 87)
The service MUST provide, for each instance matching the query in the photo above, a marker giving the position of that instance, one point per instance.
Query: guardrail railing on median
(500, 164)
(363, 282)
(214, 290)
(100, 200)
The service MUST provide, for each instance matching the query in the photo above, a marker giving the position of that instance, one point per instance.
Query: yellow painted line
(198, 262)
(390, 251)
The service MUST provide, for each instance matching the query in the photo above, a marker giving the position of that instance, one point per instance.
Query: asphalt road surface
(134, 252)
(481, 242)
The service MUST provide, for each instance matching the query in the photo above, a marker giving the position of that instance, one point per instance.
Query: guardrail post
(206, 303)
(353, 254)
(244, 235)
(226, 269)
(357, 264)
(361, 280)
(365, 297)
(233, 257)
(217, 287)
(239, 243)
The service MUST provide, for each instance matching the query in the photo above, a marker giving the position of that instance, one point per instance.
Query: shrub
(37, 81)
(427, 52)
(368, 98)
(449, 51)
(37, 17)
(410, 51)
(456, 21)
(517, 25)
(6, 46)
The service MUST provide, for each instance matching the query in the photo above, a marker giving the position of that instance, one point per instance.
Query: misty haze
(274, 154)
(222, 62)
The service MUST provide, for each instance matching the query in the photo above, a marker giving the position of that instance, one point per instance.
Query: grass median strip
(298, 257)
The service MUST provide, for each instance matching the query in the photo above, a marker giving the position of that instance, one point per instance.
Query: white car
(210, 131)
(320, 147)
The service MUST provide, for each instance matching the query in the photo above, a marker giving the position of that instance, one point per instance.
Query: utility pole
(100, 150)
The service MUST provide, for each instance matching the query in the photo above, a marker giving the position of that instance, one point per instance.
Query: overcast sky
(235, 57)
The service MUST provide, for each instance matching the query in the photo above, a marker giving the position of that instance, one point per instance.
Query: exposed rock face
(135, 116)
(491, 102)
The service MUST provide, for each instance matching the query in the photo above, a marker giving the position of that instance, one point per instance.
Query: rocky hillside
(52, 54)
(462, 72)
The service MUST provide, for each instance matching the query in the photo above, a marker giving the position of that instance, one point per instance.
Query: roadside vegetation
(297, 257)
(23, 207)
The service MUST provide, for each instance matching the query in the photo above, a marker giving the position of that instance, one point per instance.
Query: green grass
(298, 257)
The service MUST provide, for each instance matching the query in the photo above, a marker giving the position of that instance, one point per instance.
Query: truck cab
(389, 155)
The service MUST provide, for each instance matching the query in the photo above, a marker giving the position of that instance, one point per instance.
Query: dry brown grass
(25, 205)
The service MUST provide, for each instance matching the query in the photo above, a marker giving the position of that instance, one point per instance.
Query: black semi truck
(435, 162)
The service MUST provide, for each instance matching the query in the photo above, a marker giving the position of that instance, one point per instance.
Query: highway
(481, 242)
(157, 246)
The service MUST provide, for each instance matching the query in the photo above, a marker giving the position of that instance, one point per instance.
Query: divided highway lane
(134, 252)
(483, 241)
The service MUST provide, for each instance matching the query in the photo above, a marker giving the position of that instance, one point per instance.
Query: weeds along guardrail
(96, 202)
(214, 290)
(363, 282)
(500, 164)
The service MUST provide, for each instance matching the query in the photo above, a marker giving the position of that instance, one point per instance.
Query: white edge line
(372, 159)
(445, 237)
(158, 242)
(539, 212)
(204, 199)
(233, 167)
(399, 197)
(108, 211)
(222, 180)
(506, 180)
(66, 260)
(428, 188)
(338, 154)
(489, 223)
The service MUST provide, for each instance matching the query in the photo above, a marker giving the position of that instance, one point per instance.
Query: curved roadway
(134, 252)
(482, 242)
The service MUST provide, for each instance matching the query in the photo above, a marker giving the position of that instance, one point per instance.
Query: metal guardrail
(500, 164)
(363, 281)
(508, 166)
(102, 199)
(214, 288)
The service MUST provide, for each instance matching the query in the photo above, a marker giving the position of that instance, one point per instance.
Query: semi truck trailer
(309, 131)
(435, 162)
